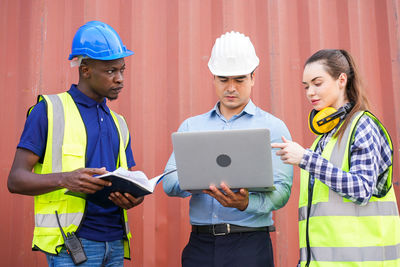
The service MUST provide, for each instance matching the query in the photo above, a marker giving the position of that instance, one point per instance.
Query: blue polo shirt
(99, 223)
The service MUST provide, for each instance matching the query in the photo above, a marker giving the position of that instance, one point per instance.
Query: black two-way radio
(73, 245)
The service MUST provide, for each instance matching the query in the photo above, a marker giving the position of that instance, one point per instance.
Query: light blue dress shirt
(204, 209)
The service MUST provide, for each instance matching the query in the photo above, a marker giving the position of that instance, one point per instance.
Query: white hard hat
(233, 54)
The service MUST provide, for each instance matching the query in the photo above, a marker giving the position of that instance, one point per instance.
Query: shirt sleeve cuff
(305, 161)
(255, 202)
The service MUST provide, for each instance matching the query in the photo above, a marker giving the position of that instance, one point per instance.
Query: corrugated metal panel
(167, 80)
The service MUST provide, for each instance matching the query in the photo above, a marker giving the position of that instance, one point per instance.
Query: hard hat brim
(229, 73)
(112, 57)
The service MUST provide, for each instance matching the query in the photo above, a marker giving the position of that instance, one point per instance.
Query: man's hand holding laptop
(228, 198)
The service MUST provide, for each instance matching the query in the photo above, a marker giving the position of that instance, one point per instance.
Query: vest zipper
(125, 234)
(83, 217)
(310, 192)
(309, 202)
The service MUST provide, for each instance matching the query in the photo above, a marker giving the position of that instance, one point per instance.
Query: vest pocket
(54, 196)
(73, 157)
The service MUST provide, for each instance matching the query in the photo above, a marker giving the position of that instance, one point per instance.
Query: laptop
(240, 158)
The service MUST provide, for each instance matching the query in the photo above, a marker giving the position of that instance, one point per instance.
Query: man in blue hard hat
(69, 138)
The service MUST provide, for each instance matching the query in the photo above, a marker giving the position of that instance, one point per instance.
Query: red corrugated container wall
(167, 80)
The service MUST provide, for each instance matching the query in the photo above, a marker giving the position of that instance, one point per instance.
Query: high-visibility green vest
(337, 232)
(66, 151)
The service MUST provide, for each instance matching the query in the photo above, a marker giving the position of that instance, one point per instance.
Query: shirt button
(98, 105)
(101, 119)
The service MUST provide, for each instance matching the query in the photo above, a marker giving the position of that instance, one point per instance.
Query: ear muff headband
(325, 120)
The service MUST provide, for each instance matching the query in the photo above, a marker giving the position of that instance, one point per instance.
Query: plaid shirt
(370, 158)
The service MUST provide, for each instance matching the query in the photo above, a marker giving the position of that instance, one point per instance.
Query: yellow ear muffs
(323, 121)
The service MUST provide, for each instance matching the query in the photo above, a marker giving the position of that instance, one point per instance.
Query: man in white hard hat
(231, 228)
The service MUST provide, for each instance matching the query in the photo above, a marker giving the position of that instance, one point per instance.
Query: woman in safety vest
(348, 214)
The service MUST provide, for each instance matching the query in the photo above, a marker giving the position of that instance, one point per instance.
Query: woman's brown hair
(336, 62)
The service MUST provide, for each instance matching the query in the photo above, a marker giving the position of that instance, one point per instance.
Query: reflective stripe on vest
(353, 254)
(121, 161)
(123, 129)
(50, 220)
(342, 231)
(66, 151)
(121, 126)
(347, 209)
(58, 132)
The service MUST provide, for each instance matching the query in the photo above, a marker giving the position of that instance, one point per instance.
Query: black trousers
(253, 249)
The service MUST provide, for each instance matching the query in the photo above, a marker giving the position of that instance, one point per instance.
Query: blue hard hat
(98, 40)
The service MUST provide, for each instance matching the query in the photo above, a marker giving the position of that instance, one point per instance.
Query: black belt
(226, 228)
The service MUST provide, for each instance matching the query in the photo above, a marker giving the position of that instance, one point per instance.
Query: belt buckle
(227, 228)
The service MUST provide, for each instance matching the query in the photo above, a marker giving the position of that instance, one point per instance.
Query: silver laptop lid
(240, 158)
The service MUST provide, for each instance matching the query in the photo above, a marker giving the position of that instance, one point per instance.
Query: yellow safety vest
(337, 232)
(66, 151)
